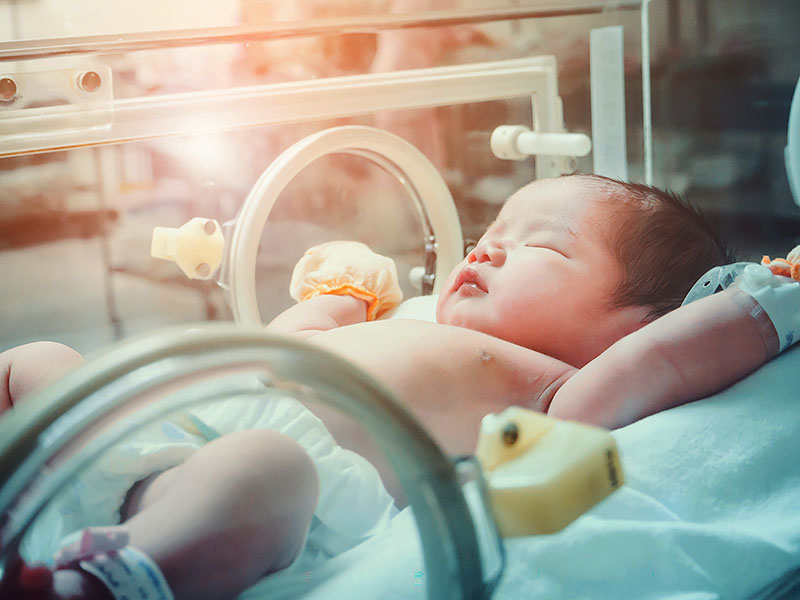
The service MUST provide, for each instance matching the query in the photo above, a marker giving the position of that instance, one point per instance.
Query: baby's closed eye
(550, 247)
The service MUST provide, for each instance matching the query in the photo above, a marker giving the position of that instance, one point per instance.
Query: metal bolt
(89, 81)
(8, 89)
(510, 434)
(209, 227)
(203, 270)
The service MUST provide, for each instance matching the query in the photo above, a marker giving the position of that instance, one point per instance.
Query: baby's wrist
(347, 290)
(777, 297)
(756, 312)
(771, 300)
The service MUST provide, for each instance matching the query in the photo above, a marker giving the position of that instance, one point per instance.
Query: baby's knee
(26, 368)
(258, 468)
(268, 458)
(59, 355)
(273, 486)
(45, 355)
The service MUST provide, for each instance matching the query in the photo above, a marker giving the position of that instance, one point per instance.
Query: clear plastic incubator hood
(230, 136)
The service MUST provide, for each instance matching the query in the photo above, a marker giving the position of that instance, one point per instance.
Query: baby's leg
(28, 367)
(237, 509)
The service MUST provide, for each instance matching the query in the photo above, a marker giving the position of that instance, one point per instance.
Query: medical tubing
(134, 372)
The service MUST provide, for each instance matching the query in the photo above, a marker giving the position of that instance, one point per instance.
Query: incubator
(196, 117)
(227, 137)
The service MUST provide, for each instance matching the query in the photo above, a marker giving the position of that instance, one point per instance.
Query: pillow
(422, 308)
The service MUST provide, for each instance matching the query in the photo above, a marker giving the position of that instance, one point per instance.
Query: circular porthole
(424, 184)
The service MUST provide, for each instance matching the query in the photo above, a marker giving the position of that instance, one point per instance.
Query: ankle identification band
(128, 573)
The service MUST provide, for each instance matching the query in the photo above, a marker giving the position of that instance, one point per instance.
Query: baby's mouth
(469, 280)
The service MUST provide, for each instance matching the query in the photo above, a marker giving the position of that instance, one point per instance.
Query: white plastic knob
(415, 275)
(196, 247)
(504, 142)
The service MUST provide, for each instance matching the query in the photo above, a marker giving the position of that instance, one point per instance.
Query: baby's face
(541, 277)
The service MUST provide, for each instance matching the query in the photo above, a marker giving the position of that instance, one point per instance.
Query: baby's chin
(447, 311)
(452, 309)
(449, 315)
(441, 311)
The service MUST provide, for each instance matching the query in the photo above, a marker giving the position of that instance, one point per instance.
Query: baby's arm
(320, 313)
(690, 353)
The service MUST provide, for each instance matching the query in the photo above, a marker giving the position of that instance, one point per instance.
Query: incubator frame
(292, 102)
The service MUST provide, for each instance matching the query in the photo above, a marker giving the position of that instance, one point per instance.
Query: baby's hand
(347, 268)
(788, 267)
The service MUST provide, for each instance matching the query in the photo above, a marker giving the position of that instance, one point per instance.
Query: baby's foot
(71, 584)
(23, 582)
(98, 565)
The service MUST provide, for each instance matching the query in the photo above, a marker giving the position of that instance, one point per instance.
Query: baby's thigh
(242, 463)
(145, 493)
(26, 368)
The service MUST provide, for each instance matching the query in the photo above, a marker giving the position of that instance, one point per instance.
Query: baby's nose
(493, 252)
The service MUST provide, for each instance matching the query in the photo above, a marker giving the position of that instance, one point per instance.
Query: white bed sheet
(710, 509)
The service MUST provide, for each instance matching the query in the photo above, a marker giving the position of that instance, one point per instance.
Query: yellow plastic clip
(542, 473)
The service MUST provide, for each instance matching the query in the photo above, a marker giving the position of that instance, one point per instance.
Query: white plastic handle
(420, 172)
(517, 142)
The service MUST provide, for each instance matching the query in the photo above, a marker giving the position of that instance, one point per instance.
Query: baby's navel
(485, 356)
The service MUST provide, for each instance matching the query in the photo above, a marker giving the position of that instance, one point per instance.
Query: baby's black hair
(663, 243)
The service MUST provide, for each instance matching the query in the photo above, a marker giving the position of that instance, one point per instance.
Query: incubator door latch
(196, 247)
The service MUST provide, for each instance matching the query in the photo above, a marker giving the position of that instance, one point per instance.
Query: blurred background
(75, 224)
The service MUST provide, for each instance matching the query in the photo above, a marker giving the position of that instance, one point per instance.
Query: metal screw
(510, 434)
(8, 89)
(89, 81)
(209, 227)
(203, 270)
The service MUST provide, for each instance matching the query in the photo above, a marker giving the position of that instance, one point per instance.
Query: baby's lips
(470, 275)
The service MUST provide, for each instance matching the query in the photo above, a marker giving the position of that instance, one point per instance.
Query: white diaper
(353, 503)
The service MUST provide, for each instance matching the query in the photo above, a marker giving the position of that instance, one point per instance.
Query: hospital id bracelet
(128, 573)
(778, 296)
